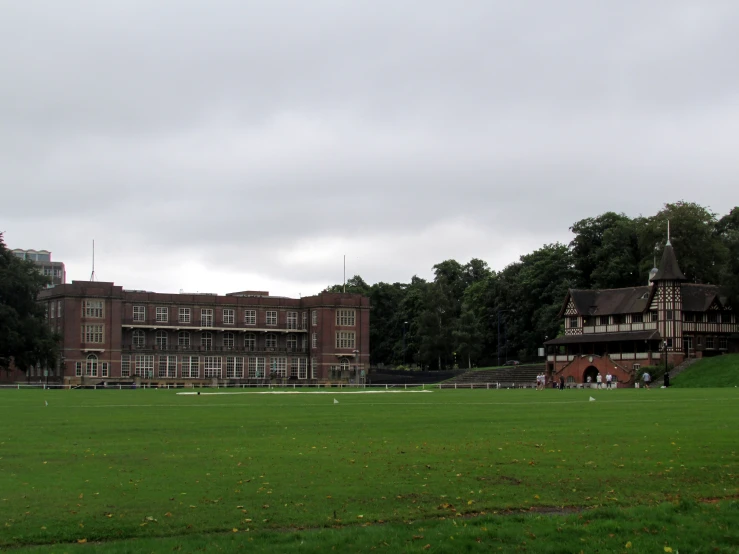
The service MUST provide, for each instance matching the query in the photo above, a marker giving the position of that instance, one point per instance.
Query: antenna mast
(92, 275)
(344, 273)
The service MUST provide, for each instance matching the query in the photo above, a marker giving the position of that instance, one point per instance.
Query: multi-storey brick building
(42, 259)
(618, 330)
(110, 334)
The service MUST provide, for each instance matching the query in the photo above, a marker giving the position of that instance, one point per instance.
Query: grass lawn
(720, 371)
(442, 471)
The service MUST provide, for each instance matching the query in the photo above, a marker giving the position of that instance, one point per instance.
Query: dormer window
(573, 322)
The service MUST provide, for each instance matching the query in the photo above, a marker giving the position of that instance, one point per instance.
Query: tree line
(470, 315)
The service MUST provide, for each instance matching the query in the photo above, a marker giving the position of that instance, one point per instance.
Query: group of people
(541, 382)
(599, 381)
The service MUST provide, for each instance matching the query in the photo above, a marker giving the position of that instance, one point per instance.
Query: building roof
(669, 270)
(698, 298)
(604, 337)
(609, 301)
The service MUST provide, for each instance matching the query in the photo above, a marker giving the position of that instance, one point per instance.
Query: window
(618, 319)
(636, 367)
(712, 317)
(292, 320)
(139, 313)
(144, 365)
(603, 320)
(91, 308)
(138, 338)
(92, 334)
(91, 366)
(303, 368)
(313, 368)
(314, 340)
(184, 315)
(250, 317)
(103, 370)
(687, 343)
(46, 311)
(698, 340)
(250, 341)
(669, 343)
(270, 341)
(278, 367)
(653, 316)
(78, 369)
(305, 320)
(125, 365)
(689, 317)
(344, 339)
(53, 309)
(292, 343)
(709, 342)
(59, 308)
(637, 318)
(228, 316)
(256, 368)
(183, 339)
(573, 322)
(293, 368)
(314, 317)
(161, 340)
(723, 343)
(668, 315)
(345, 318)
(228, 340)
(206, 317)
(206, 340)
(271, 318)
(162, 314)
(344, 364)
(168, 366)
(212, 366)
(190, 367)
(304, 342)
(234, 367)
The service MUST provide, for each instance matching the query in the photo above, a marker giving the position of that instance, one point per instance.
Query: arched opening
(592, 372)
(91, 367)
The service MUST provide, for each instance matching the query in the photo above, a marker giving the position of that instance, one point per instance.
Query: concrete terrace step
(682, 367)
(512, 374)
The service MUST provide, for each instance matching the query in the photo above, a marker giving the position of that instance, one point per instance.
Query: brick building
(116, 335)
(619, 330)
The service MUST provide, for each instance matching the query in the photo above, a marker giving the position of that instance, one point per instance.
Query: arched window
(161, 340)
(228, 340)
(250, 341)
(183, 339)
(91, 367)
(139, 338)
(292, 342)
(270, 340)
(344, 364)
(206, 340)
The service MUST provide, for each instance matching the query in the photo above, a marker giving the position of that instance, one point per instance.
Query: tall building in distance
(42, 259)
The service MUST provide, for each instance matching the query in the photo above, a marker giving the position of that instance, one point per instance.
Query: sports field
(442, 471)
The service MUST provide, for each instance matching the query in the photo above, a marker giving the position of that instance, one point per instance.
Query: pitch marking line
(300, 392)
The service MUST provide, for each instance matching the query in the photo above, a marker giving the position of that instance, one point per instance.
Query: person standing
(561, 382)
(609, 379)
(599, 381)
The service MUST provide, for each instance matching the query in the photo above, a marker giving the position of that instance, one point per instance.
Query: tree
(727, 230)
(26, 339)
(592, 236)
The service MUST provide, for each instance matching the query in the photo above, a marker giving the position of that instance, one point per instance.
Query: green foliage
(460, 310)
(26, 339)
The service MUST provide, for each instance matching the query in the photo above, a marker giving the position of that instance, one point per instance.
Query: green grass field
(720, 371)
(442, 471)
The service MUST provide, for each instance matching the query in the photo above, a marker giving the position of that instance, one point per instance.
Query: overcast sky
(225, 145)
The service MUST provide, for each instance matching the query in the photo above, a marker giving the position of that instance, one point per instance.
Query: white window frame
(270, 340)
(167, 367)
(206, 340)
(304, 320)
(104, 369)
(229, 316)
(346, 318)
(228, 340)
(250, 338)
(278, 365)
(256, 367)
(78, 369)
(212, 366)
(270, 318)
(92, 308)
(183, 339)
(346, 339)
(190, 367)
(250, 317)
(125, 365)
(292, 320)
(314, 317)
(313, 368)
(184, 315)
(52, 313)
(93, 333)
(206, 317)
(234, 367)
(302, 368)
(292, 342)
(138, 338)
(161, 339)
(144, 365)
(294, 368)
(139, 313)
(162, 314)
(91, 365)
(314, 340)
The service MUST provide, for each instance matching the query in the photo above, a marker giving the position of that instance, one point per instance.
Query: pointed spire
(669, 270)
(668, 233)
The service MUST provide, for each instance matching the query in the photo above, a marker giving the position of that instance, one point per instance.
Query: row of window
(706, 342)
(344, 339)
(617, 319)
(53, 309)
(214, 367)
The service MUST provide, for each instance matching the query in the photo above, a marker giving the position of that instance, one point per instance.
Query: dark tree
(25, 337)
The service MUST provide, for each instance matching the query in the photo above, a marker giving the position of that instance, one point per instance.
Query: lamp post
(666, 377)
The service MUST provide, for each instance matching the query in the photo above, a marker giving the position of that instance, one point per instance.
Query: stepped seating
(522, 376)
(682, 367)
